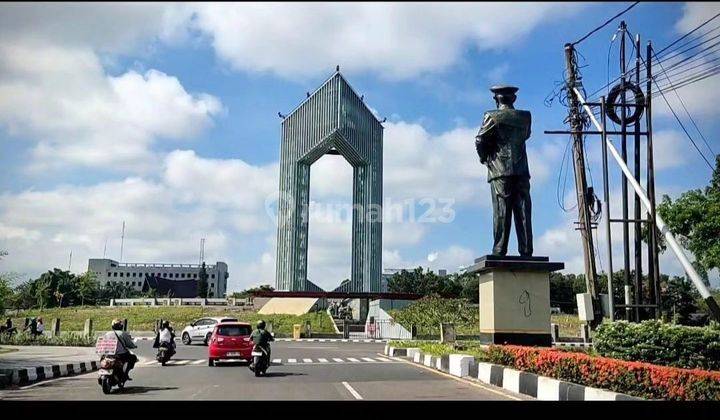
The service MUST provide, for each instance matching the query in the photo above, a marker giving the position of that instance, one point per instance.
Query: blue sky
(165, 116)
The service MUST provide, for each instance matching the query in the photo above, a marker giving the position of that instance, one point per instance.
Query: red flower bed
(634, 378)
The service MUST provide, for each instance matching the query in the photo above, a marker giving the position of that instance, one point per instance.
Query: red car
(230, 340)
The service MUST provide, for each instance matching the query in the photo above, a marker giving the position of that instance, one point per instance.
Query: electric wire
(672, 53)
(606, 23)
(683, 127)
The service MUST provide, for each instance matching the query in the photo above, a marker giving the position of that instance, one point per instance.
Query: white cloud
(63, 101)
(396, 40)
(697, 95)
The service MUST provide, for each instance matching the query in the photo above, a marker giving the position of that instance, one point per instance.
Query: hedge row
(65, 339)
(660, 343)
(634, 378)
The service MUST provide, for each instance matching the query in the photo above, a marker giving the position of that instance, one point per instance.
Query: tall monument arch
(334, 120)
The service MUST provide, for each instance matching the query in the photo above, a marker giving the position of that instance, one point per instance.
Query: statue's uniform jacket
(501, 142)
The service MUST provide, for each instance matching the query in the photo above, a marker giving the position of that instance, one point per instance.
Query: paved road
(300, 371)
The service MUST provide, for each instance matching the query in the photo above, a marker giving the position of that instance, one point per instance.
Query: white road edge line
(447, 375)
(352, 391)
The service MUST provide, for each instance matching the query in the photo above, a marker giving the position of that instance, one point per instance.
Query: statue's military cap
(504, 90)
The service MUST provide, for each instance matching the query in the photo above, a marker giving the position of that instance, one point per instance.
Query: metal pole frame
(623, 128)
(653, 250)
(667, 234)
(637, 234)
(606, 192)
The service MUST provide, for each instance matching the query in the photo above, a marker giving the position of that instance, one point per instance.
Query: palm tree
(41, 288)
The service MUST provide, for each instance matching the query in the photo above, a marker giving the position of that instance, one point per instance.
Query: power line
(687, 34)
(668, 56)
(686, 110)
(683, 126)
(606, 23)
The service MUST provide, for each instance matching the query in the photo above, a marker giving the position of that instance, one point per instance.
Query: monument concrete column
(514, 299)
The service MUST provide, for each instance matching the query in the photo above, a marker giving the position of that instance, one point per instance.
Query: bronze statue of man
(500, 144)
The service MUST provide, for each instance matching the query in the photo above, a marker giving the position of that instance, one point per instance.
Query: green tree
(422, 282)
(6, 293)
(248, 292)
(42, 291)
(202, 282)
(694, 219)
(87, 287)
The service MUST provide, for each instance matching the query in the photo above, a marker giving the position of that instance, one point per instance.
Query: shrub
(660, 343)
(634, 378)
(429, 312)
(67, 339)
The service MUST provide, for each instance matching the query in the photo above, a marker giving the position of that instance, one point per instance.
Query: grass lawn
(569, 327)
(142, 318)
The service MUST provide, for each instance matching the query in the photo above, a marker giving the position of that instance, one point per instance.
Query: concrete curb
(530, 384)
(30, 375)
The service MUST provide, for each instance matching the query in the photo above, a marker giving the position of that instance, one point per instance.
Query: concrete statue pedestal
(515, 299)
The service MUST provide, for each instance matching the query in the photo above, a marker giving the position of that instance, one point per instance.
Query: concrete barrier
(459, 364)
(411, 352)
(395, 352)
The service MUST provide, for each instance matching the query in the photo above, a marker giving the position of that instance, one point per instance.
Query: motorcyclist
(166, 336)
(261, 337)
(125, 343)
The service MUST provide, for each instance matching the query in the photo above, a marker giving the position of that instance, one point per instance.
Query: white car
(202, 329)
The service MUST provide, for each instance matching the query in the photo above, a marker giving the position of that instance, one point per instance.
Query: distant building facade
(134, 274)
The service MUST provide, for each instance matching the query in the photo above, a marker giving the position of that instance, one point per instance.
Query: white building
(133, 274)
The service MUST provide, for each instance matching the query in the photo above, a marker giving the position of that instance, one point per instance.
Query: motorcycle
(110, 374)
(164, 353)
(260, 360)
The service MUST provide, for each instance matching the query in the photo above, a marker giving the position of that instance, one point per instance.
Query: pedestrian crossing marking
(305, 361)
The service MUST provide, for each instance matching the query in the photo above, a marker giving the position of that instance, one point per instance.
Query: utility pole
(585, 226)
(70, 261)
(202, 250)
(122, 241)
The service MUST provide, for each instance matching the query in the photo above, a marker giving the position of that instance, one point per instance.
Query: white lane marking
(345, 340)
(149, 362)
(352, 391)
(338, 360)
(352, 359)
(321, 360)
(180, 362)
(382, 359)
(292, 361)
(197, 362)
(277, 361)
(367, 359)
(307, 360)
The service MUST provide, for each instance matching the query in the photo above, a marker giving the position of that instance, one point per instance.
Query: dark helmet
(165, 324)
(117, 324)
(261, 325)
